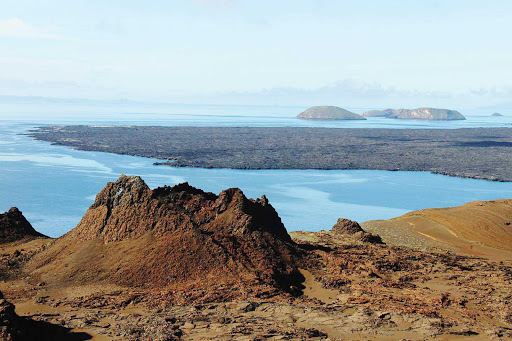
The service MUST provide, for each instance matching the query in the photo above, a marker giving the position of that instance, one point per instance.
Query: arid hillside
(178, 263)
(482, 228)
(173, 237)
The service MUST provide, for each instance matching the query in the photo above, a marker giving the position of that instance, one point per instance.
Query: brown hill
(14, 226)
(173, 237)
(481, 228)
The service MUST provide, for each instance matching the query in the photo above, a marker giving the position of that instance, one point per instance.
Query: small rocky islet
(430, 114)
(326, 112)
(179, 263)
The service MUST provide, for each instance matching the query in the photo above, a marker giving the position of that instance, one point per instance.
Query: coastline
(475, 153)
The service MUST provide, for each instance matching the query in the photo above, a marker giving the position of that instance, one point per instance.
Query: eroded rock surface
(174, 237)
(350, 227)
(179, 263)
(14, 226)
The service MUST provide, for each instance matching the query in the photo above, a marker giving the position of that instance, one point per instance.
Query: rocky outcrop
(14, 226)
(8, 320)
(19, 328)
(350, 227)
(431, 114)
(174, 237)
(326, 112)
(346, 226)
(180, 263)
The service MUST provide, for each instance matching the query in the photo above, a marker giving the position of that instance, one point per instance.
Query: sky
(372, 53)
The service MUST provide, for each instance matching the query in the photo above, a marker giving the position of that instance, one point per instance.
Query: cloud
(17, 28)
(354, 94)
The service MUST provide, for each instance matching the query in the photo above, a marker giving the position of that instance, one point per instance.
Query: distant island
(431, 114)
(496, 114)
(326, 112)
(378, 113)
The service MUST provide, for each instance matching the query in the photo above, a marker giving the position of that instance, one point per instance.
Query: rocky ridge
(172, 238)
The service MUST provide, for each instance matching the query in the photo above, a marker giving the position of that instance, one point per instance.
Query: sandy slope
(481, 228)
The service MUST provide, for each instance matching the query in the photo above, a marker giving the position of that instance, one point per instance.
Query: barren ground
(482, 153)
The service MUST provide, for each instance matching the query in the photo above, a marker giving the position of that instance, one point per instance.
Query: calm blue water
(216, 115)
(54, 186)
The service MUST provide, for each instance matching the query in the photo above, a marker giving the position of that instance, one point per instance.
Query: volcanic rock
(326, 112)
(173, 237)
(8, 320)
(214, 268)
(346, 226)
(350, 227)
(19, 328)
(14, 226)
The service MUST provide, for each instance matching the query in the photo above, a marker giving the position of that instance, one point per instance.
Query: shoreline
(170, 164)
(474, 153)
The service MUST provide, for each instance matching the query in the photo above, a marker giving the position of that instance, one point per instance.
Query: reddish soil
(178, 263)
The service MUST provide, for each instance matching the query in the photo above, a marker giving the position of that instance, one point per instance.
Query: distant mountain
(497, 114)
(431, 114)
(326, 112)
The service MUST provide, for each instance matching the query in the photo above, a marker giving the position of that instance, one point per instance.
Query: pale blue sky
(175, 50)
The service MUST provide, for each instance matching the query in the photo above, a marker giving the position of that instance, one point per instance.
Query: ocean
(54, 185)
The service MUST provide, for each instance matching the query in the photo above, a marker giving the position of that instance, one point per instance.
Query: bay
(54, 185)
